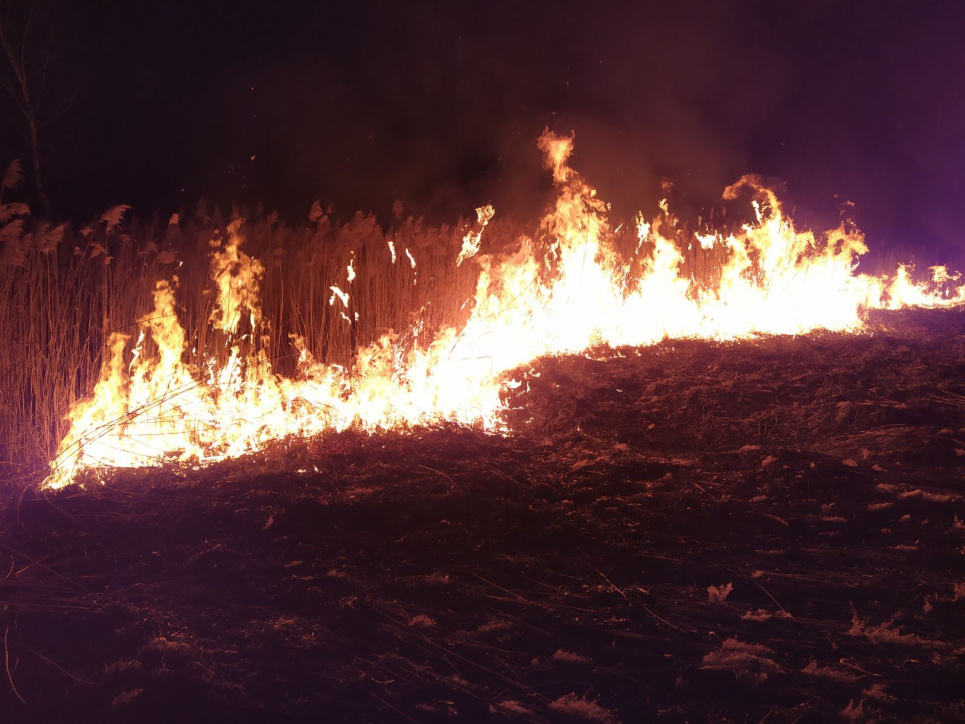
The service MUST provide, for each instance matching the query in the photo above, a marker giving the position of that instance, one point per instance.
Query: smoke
(444, 112)
(439, 105)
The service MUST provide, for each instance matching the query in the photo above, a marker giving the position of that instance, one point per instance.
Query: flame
(472, 241)
(557, 296)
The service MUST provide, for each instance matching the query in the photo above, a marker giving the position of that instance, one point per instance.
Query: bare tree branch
(16, 51)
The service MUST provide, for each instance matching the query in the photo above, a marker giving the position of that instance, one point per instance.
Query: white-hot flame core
(573, 293)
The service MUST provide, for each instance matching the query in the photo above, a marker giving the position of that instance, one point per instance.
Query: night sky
(439, 104)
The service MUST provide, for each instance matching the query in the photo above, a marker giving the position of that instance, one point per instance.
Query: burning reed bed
(203, 339)
(63, 292)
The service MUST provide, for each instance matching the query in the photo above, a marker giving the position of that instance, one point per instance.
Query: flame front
(560, 296)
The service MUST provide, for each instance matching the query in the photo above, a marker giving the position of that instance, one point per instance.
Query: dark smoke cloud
(440, 104)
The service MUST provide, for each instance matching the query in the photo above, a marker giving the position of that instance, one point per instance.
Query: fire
(560, 296)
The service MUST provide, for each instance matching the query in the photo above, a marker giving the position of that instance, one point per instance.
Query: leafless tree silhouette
(29, 58)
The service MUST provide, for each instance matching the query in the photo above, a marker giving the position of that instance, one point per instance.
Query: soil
(760, 531)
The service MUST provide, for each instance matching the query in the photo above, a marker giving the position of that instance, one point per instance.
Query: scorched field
(766, 530)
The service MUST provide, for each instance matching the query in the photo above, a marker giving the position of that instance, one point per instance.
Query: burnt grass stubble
(689, 532)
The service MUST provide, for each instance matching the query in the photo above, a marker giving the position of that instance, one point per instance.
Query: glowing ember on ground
(562, 296)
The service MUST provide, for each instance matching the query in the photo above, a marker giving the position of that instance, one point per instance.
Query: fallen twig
(46, 568)
(59, 668)
(615, 586)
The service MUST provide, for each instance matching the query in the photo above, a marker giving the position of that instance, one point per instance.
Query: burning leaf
(338, 294)
(238, 277)
(472, 240)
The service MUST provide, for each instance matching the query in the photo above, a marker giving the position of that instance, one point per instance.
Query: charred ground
(695, 531)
